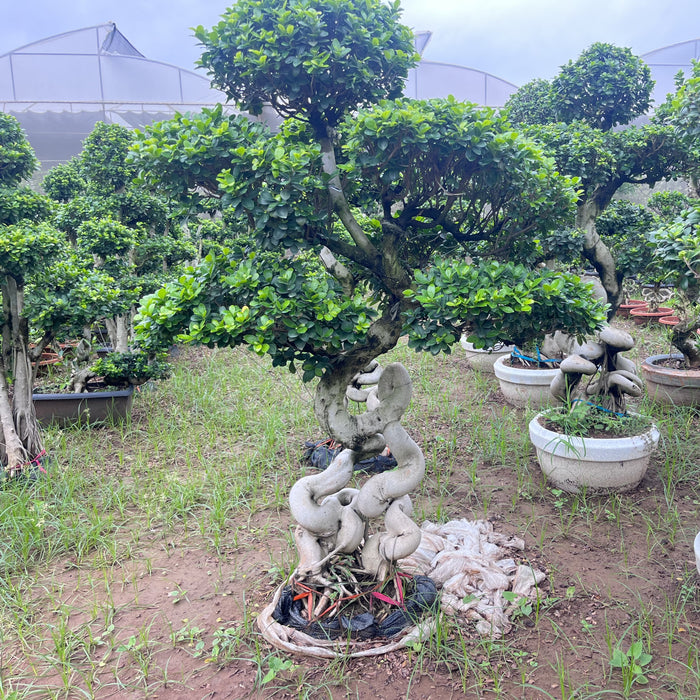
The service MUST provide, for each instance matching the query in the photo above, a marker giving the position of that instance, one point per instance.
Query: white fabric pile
(474, 566)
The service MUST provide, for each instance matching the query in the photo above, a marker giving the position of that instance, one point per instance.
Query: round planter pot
(524, 387)
(624, 309)
(669, 320)
(641, 315)
(679, 387)
(482, 360)
(596, 465)
(46, 360)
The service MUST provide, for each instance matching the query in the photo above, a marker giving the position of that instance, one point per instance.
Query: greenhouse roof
(667, 61)
(61, 86)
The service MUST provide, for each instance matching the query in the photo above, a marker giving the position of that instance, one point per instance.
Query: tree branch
(340, 204)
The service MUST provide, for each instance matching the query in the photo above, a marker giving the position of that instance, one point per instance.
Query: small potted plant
(592, 442)
(125, 369)
(655, 295)
(674, 378)
(100, 391)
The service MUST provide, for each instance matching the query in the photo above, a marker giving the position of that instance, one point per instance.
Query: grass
(136, 568)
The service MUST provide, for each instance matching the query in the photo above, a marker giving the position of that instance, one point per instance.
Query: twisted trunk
(597, 253)
(357, 432)
(684, 337)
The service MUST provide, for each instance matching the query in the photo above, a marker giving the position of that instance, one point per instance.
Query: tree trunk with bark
(21, 435)
(597, 253)
(684, 335)
(119, 331)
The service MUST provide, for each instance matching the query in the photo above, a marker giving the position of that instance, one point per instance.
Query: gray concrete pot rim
(106, 394)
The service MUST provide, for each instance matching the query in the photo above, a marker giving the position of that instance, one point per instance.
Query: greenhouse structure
(665, 63)
(61, 86)
(430, 79)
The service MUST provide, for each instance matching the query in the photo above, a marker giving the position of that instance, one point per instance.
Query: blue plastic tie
(601, 408)
(539, 359)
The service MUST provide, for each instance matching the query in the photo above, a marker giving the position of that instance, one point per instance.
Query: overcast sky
(516, 40)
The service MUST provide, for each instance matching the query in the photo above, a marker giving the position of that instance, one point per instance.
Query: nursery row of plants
(358, 219)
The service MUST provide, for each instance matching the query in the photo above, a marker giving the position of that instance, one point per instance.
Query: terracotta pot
(624, 309)
(672, 321)
(596, 465)
(642, 316)
(523, 387)
(679, 387)
(46, 360)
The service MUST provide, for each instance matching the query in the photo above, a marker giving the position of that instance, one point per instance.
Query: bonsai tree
(361, 210)
(44, 292)
(605, 87)
(609, 377)
(676, 259)
(114, 226)
(680, 111)
(129, 369)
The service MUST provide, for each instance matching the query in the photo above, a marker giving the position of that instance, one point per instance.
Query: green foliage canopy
(381, 189)
(605, 86)
(319, 59)
(17, 160)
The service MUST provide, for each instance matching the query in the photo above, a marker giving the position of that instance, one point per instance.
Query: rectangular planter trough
(85, 408)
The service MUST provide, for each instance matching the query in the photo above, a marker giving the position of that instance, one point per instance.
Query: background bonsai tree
(681, 111)
(605, 87)
(130, 369)
(115, 227)
(361, 209)
(676, 260)
(44, 291)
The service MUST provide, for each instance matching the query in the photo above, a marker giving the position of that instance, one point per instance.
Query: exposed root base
(296, 642)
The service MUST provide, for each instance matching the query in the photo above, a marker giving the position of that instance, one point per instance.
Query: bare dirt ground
(619, 568)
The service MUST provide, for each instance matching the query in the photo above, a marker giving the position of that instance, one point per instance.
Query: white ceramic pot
(598, 465)
(697, 551)
(482, 360)
(525, 387)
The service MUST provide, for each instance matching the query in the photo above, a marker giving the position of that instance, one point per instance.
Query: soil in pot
(670, 382)
(593, 464)
(642, 315)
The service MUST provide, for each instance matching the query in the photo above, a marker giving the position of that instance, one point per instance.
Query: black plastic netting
(320, 455)
(423, 598)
